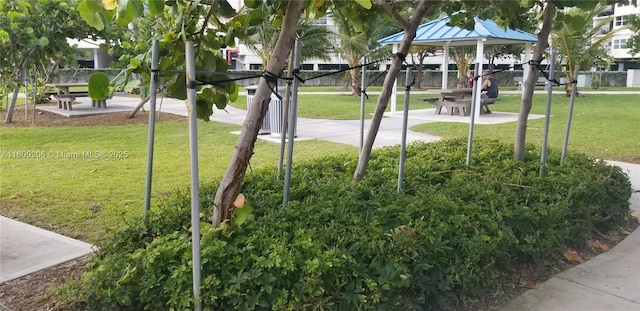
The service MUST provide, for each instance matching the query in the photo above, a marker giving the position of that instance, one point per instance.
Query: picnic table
(455, 102)
(66, 97)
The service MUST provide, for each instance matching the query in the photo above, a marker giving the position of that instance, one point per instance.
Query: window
(624, 4)
(620, 21)
(619, 44)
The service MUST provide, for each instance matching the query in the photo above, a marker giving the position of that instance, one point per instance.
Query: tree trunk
(529, 84)
(140, 105)
(394, 69)
(420, 74)
(12, 106)
(230, 184)
(355, 82)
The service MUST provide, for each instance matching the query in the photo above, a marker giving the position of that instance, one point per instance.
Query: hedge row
(451, 233)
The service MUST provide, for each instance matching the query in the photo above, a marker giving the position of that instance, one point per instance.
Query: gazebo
(485, 32)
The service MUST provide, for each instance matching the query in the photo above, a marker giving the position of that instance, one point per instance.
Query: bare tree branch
(394, 14)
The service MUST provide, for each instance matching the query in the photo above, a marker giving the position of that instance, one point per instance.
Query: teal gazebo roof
(437, 33)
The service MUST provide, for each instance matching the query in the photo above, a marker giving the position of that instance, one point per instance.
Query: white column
(395, 86)
(96, 59)
(479, 58)
(445, 66)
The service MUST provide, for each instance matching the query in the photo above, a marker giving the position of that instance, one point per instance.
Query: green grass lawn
(603, 126)
(78, 196)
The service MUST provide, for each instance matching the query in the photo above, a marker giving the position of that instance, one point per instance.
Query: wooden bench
(485, 102)
(542, 81)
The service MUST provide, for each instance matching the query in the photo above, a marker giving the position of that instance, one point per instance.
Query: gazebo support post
(479, 58)
(445, 66)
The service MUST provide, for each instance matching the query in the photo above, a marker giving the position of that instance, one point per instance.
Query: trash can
(266, 125)
(272, 123)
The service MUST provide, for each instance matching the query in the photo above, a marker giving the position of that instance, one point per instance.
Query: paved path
(608, 282)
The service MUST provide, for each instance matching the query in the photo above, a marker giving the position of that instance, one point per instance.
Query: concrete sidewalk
(25, 249)
(608, 282)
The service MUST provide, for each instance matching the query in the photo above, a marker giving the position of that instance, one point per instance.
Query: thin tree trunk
(230, 184)
(420, 73)
(12, 105)
(394, 69)
(140, 105)
(355, 82)
(529, 84)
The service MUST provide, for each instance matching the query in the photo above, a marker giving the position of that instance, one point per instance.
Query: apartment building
(620, 13)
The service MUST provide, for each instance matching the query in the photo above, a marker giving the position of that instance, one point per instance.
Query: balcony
(604, 31)
(605, 13)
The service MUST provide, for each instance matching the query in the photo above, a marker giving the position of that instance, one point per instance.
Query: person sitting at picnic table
(489, 86)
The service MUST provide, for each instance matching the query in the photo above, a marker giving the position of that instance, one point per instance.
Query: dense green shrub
(451, 233)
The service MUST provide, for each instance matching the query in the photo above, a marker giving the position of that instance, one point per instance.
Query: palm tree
(357, 41)
(314, 39)
(581, 42)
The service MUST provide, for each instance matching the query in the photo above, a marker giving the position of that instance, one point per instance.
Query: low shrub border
(450, 234)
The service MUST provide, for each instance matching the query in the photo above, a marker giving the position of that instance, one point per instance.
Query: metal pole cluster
(405, 120)
(474, 97)
(574, 92)
(195, 187)
(152, 125)
(363, 84)
(547, 115)
(292, 126)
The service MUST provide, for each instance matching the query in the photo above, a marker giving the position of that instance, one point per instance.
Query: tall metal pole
(547, 114)
(285, 114)
(26, 97)
(474, 99)
(574, 91)
(35, 96)
(363, 84)
(152, 125)
(195, 190)
(405, 120)
(292, 126)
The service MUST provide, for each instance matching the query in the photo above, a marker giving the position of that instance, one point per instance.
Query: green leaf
(179, 88)
(226, 9)
(364, 3)
(120, 79)
(137, 7)
(241, 214)
(125, 12)
(204, 109)
(156, 7)
(4, 36)
(99, 85)
(220, 101)
(254, 4)
(92, 18)
(133, 63)
(233, 96)
(94, 5)
(131, 85)
(43, 41)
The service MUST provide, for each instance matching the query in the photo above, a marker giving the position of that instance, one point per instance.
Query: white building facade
(617, 45)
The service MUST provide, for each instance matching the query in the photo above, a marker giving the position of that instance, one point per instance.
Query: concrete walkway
(610, 281)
